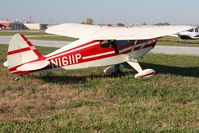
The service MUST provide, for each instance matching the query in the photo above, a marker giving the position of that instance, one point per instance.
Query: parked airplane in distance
(191, 34)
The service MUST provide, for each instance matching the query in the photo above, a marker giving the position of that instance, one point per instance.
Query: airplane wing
(83, 31)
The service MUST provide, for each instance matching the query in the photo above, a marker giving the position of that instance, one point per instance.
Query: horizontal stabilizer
(33, 66)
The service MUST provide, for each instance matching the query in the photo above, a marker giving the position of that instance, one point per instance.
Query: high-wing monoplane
(96, 46)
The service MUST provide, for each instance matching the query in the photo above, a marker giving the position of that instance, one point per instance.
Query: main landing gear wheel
(147, 73)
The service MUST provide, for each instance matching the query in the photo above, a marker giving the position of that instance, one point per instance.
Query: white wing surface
(83, 31)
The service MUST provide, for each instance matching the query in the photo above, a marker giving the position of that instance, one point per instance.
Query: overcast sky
(102, 11)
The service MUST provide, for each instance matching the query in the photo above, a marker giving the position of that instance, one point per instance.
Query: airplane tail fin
(23, 57)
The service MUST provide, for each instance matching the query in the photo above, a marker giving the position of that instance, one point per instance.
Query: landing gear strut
(147, 73)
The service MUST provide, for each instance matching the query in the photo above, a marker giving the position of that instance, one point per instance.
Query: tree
(88, 21)
(120, 24)
(162, 23)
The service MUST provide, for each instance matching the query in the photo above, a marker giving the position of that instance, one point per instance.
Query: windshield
(191, 30)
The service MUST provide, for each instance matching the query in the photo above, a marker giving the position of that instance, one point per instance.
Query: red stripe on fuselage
(95, 50)
(72, 48)
(19, 73)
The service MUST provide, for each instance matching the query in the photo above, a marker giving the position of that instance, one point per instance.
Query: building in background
(35, 26)
(6, 25)
(18, 25)
(11, 25)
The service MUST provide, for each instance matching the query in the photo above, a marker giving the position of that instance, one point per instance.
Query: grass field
(173, 41)
(25, 32)
(90, 101)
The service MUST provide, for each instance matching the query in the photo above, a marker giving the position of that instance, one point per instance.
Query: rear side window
(106, 43)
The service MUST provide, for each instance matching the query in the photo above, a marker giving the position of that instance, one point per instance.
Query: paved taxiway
(158, 49)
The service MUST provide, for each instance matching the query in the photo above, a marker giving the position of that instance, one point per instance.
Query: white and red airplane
(97, 46)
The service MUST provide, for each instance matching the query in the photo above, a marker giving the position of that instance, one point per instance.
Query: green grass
(25, 32)
(90, 101)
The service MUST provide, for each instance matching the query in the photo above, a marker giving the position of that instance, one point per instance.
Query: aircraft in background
(97, 46)
(191, 34)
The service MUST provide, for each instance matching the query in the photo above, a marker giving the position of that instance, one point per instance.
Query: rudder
(20, 52)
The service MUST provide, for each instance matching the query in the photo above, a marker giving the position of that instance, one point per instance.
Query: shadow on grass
(181, 71)
(160, 69)
(65, 79)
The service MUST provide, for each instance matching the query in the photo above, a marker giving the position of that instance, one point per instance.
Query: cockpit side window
(196, 29)
(117, 45)
(191, 30)
(121, 43)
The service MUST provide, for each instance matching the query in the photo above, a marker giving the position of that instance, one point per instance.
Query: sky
(102, 11)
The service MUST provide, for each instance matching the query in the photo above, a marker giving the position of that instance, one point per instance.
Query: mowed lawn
(90, 101)
(174, 41)
(25, 32)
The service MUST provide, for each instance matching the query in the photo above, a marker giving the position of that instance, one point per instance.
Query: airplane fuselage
(99, 53)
